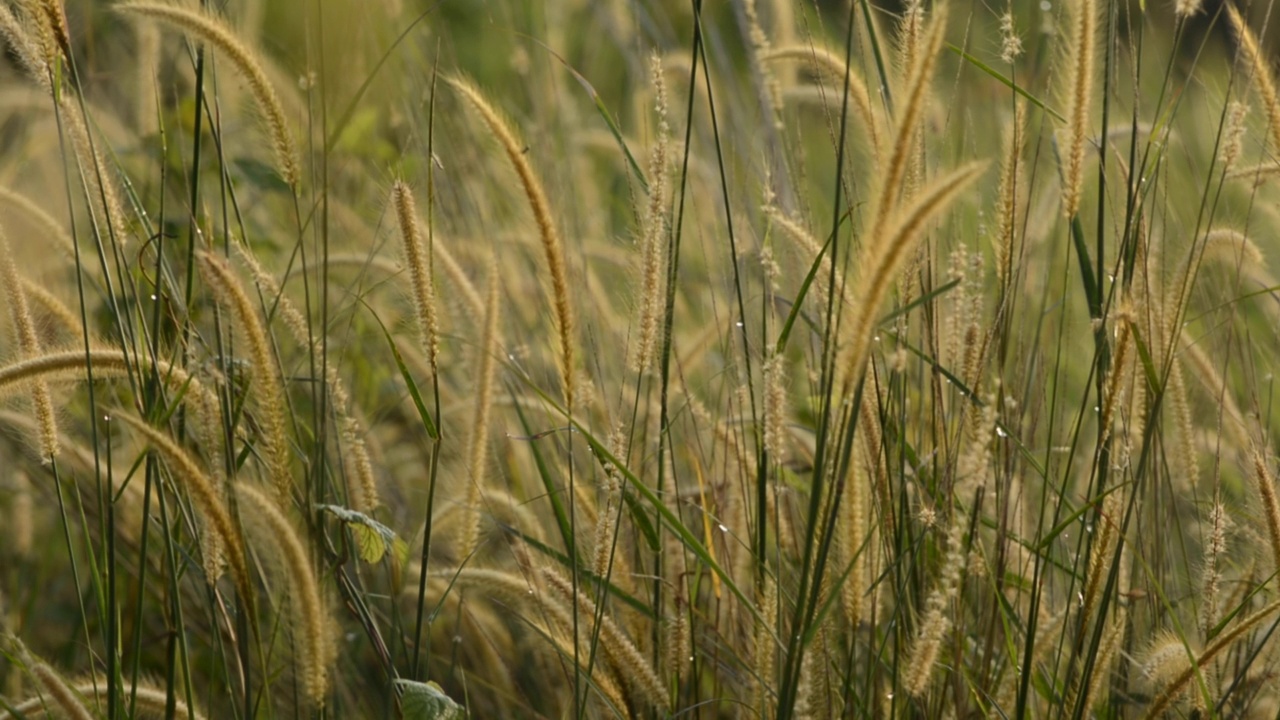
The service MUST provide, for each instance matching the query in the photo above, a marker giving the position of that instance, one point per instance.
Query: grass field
(636, 358)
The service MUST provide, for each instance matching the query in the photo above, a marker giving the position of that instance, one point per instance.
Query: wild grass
(638, 359)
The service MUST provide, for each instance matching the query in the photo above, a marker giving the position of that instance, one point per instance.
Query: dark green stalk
(673, 273)
(806, 606)
(435, 384)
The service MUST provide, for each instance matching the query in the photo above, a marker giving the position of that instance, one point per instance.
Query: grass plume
(215, 32)
(208, 499)
(29, 345)
(1081, 54)
(269, 528)
(267, 385)
(552, 247)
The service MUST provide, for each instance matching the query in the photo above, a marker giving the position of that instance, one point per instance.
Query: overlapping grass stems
(924, 368)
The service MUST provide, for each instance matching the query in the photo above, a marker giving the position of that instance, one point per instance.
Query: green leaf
(1092, 291)
(1009, 83)
(669, 518)
(549, 484)
(804, 286)
(260, 174)
(604, 113)
(427, 701)
(373, 539)
(408, 381)
(617, 592)
(937, 292)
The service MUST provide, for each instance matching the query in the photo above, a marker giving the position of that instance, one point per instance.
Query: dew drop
(1046, 6)
(153, 296)
(738, 324)
(1000, 431)
(724, 529)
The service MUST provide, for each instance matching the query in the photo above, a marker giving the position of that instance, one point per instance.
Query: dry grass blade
(362, 494)
(912, 109)
(652, 237)
(151, 702)
(478, 444)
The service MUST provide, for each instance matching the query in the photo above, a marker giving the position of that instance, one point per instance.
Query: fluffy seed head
(1186, 8)
(552, 248)
(1233, 134)
(419, 263)
(267, 384)
(214, 31)
(268, 528)
(1081, 56)
(1011, 44)
(29, 345)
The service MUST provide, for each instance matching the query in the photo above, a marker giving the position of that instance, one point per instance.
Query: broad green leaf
(373, 539)
(427, 701)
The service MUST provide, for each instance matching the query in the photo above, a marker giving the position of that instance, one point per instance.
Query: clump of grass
(775, 409)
